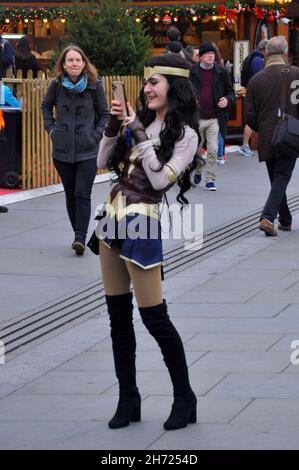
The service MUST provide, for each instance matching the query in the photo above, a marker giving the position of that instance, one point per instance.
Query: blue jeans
(221, 150)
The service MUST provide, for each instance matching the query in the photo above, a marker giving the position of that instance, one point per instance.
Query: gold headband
(150, 71)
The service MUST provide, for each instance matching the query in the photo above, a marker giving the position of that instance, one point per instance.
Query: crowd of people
(182, 106)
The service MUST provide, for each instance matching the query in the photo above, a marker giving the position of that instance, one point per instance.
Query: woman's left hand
(136, 127)
(129, 119)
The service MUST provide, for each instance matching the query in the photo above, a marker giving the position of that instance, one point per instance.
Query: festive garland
(26, 13)
(230, 9)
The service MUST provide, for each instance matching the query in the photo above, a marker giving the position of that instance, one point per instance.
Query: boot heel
(193, 415)
(136, 414)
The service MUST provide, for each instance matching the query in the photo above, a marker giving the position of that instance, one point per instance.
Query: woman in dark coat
(24, 58)
(76, 131)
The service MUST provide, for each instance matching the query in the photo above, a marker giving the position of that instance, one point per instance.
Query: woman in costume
(149, 151)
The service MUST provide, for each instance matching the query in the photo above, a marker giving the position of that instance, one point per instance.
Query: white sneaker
(246, 151)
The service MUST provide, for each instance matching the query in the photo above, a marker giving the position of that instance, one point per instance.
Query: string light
(268, 7)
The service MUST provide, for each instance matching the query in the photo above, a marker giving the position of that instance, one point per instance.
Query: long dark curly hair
(182, 110)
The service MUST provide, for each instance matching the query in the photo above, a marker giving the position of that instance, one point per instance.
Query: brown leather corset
(135, 185)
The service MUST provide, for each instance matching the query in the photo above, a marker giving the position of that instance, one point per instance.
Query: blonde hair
(89, 69)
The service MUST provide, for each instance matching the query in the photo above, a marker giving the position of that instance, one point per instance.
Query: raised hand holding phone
(119, 102)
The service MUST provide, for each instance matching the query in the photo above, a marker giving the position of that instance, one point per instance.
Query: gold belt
(118, 207)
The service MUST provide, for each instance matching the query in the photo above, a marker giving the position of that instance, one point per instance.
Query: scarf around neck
(206, 67)
(77, 87)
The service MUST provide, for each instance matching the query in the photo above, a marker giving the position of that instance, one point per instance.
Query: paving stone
(219, 283)
(86, 435)
(284, 344)
(277, 262)
(261, 411)
(282, 296)
(237, 325)
(225, 310)
(242, 361)
(247, 275)
(75, 382)
(291, 311)
(231, 342)
(231, 437)
(257, 385)
(209, 410)
(201, 295)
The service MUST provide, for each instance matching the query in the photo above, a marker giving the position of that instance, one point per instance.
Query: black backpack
(245, 72)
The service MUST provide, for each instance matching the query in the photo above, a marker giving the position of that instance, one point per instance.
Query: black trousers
(280, 171)
(77, 179)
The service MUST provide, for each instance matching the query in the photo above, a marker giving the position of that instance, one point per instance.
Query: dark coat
(28, 63)
(222, 87)
(262, 102)
(80, 120)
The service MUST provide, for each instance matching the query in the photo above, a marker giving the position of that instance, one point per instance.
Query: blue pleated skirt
(137, 236)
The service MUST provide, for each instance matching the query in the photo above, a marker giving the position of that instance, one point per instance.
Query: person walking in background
(255, 63)
(221, 157)
(174, 37)
(193, 52)
(76, 131)
(7, 59)
(215, 95)
(7, 99)
(24, 58)
(164, 135)
(261, 114)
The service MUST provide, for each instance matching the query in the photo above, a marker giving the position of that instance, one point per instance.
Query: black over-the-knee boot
(160, 327)
(120, 309)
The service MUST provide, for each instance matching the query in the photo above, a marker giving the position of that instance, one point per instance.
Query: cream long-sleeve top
(183, 154)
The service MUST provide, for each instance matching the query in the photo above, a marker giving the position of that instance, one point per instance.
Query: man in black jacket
(6, 56)
(215, 95)
(261, 114)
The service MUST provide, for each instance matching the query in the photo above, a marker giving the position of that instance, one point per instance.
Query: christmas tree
(110, 37)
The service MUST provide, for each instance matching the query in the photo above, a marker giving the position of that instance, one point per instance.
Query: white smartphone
(119, 93)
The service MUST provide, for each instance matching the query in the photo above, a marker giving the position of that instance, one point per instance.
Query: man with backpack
(252, 64)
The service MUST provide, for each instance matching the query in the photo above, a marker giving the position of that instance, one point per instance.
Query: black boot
(120, 309)
(160, 327)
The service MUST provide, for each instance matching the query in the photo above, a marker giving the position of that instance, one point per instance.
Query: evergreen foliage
(111, 39)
